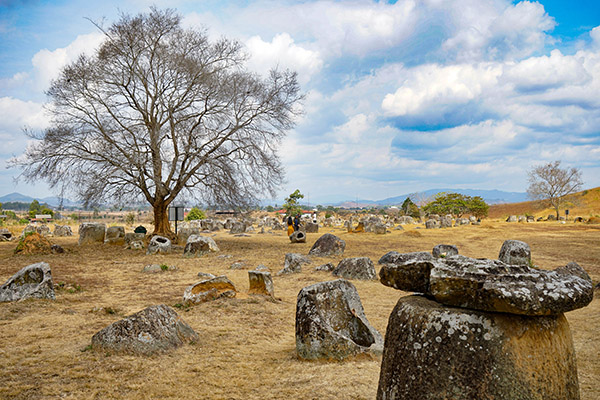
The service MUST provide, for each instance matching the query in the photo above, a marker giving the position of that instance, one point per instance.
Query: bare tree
(159, 110)
(553, 183)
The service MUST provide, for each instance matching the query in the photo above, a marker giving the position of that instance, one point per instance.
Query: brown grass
(584, 204)
(247, 345)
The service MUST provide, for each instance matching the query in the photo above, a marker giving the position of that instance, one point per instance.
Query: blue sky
(401, 96)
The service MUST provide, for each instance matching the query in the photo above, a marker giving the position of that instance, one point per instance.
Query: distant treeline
(19, 206)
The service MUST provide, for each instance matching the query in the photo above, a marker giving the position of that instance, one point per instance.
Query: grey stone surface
(444, 250)
(159, 244)
(155, 329)
(406, 271)
(328, 267)
(260, 283)
(437, 352)
(91, 232)
(293, 263)
(489, 285)
(115, 235)
(62, 230)
(209, 289)
(356, 268)
(298, 237)
(32, 281)
(331, 323)
(515, 252)
(199, 245)
(432, 224)
(328, 245)
(311, 227)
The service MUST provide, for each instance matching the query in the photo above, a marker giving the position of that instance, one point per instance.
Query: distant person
(297, 222)
(290, 225)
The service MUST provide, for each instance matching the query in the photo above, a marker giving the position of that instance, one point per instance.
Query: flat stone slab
(488, 285)
(208, 290)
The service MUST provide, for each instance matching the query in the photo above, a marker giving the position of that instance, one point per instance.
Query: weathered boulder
(530, 218)
(515, 252)
(205, 275)
(406, 271)
(437, 352)
(91, 232)
(5, 233)
(185, 232)
(199, 245)
(446, 221)
(134, 237)
(57, 249)
(261, 283)
(331, 323)
(155, 329)
(327, 245)
(551, 217)
(237, 227)
(511, 218)
(298, 237)
(489, 285)
(209, 289)
(405, 219)
(356, 268)
(32, 281)
(328, 267)
(462, 221)
(158, 268)
(115, 235)
(293, 263)
(379, 229)
(432, 224)
(311, 227)
(62, 230)
(444, 250)
(159, 244)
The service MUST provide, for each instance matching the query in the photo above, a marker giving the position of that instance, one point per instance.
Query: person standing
(290, 225)
(297, 222)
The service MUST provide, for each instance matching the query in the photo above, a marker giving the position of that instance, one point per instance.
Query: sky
(401, 96)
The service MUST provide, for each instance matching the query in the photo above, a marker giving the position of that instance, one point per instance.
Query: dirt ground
(247, 344)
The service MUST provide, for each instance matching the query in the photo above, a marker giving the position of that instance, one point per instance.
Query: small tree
(195, 213)
(478, 207)
(291, 205)
(552, 183)
(447, 203)
(409, 208)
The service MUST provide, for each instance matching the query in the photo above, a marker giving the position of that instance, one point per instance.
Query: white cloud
(595, 35)
(283, 53)
(544, 72)
(435, 88)
(15, 115)
(491, 29)
(48, 63)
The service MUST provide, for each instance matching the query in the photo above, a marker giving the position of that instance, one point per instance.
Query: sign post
(176, 214)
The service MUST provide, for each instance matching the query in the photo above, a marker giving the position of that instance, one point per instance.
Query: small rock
(155, 329)
(325, 267)
(356, 268)
(205, 275)
(261, 283)
(327, 245)
(32, 281)
(199, 245)
(293, 263)
(444, 250)
(209, 289)
(515, 252)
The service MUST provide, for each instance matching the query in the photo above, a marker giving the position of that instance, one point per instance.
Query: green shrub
(195, 213)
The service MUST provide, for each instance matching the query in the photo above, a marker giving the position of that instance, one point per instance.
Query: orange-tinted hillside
(582, 204)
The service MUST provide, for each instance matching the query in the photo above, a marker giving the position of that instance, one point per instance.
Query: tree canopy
(457, 205)
(159, 110)
(551, 182)
(292, 205)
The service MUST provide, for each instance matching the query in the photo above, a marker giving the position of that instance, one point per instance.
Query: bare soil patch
(247, 344)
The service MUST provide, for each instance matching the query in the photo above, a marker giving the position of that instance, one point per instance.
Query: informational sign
(43, 216)
(176, 213)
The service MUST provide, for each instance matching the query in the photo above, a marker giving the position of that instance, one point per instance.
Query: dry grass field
(247, 345)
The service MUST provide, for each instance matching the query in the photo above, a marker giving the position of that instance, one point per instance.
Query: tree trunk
(162, 226)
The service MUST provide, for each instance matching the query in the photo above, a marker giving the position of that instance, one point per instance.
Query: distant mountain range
(51, 201)
(489, 196)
